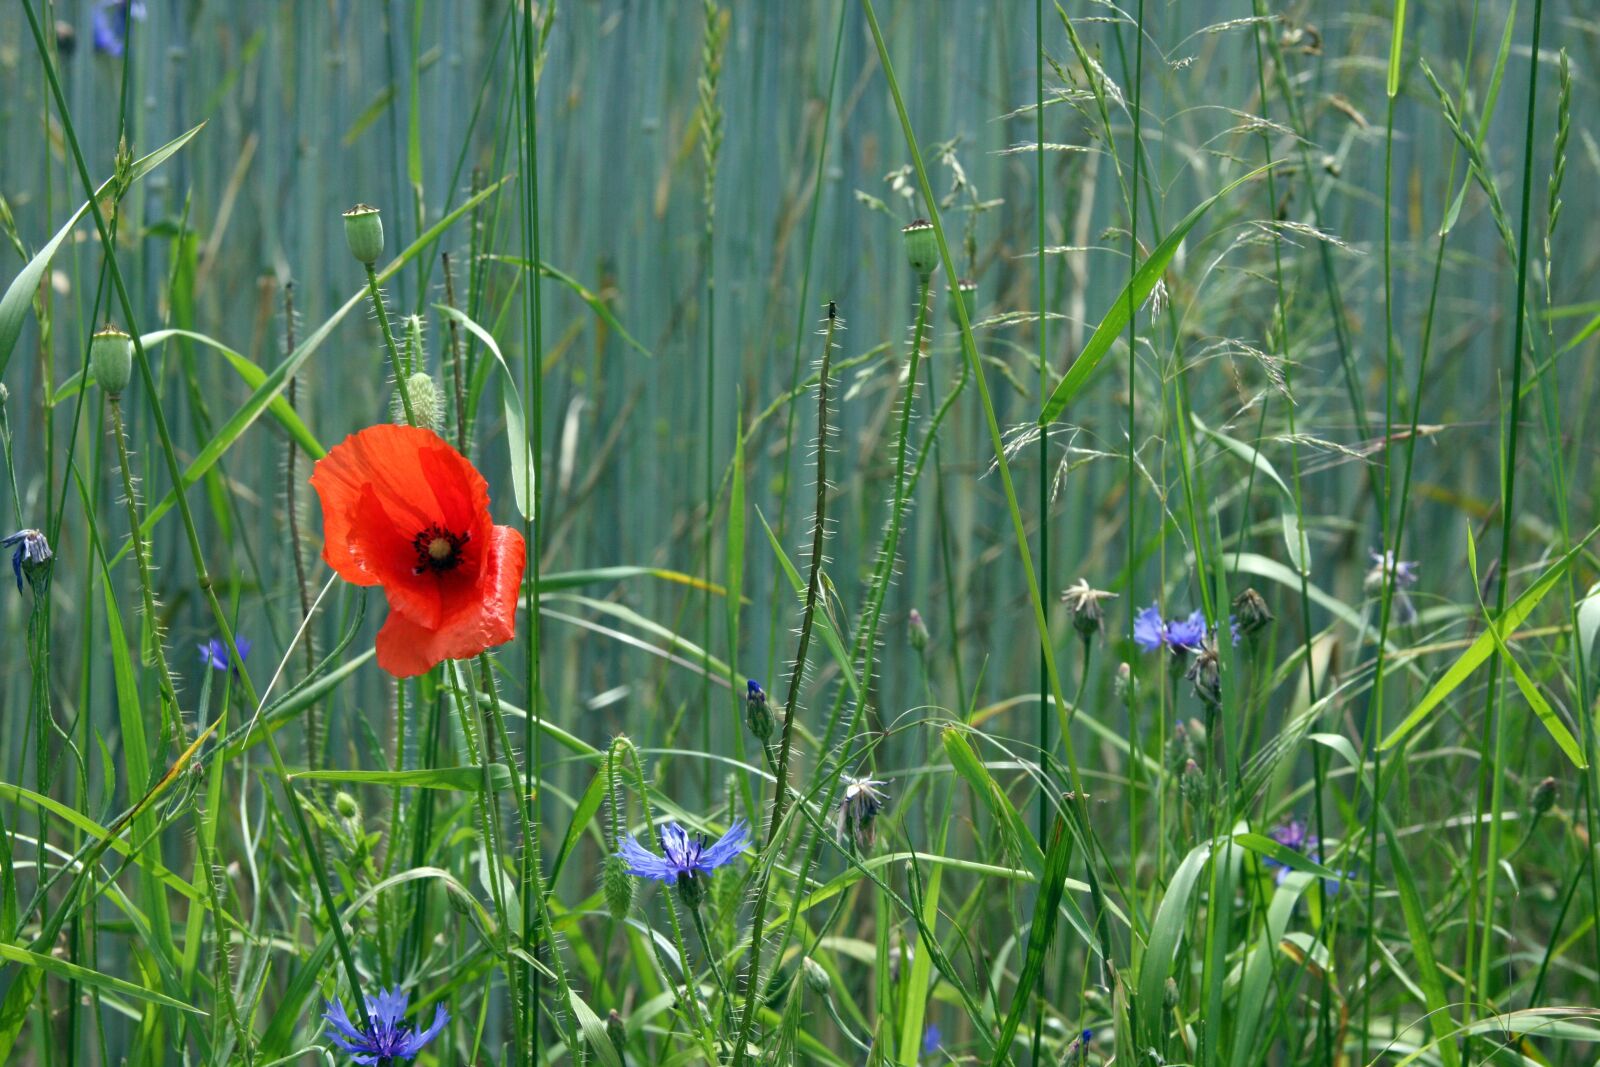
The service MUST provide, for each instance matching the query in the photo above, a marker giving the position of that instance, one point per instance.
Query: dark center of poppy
(438, 550)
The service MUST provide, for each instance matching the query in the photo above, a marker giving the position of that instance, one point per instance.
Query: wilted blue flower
(685, 857)
(214, 653)
(111, 24)
(30, 548)
(385, 1038)
(1151, 632)
(931, 1037)
(858, 811)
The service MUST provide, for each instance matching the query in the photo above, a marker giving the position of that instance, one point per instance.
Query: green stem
(396, 362)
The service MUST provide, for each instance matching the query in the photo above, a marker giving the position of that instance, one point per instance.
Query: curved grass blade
(522, 462)
(1133, 295)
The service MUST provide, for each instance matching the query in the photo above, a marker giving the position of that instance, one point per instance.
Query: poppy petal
(380, 486)
(407, 647)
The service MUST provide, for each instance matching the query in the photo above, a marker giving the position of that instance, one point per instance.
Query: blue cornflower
(1294, 835)
(214, 653)
(685, 857)
(931, 1037)
(111, 24)
(1151, 632)
(1404, 574)
(384, 1039)
(31, 549)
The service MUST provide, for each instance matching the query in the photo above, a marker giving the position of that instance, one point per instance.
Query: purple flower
(931, 1037)
(1151, 632)
(111, 24)
(1294, 835)
(384, 1039)
(685, 857)
(214, 653)
(29, 548)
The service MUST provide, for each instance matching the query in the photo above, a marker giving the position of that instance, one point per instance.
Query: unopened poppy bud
(918, 630)
(1250, 611)
(817, 979)
(922, 247)
(345, 805)
(427, 406)
(1544, 795)
(616, 886)
(617, 1031)
(363, 232)
(966, 291)
(111, 359)
(757, 713)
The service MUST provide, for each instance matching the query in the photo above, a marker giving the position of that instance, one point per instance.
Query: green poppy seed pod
(817, 979)
(111, 359)
(616, 884)
(427, 406)
(363, 232)
(922, 247)
(965, 291)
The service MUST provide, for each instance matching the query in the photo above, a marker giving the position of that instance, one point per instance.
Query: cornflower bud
(757, 713)
(1544, 795)
(917, 630)
(817, 979)
(617, 1031)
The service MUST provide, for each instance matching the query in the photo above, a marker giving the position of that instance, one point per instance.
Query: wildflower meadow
(843, 532)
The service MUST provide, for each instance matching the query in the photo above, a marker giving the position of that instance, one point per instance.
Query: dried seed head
(1250, 611)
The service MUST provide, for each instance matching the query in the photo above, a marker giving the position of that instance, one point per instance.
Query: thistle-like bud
(966, 291)
(1192, 784)
(617, 1031)
(817, 979)
(1544, 796)
(1084, 603)
(363, 232)
(616, 885)
(757, 712)
(111, 359)
(922, 247)
(690, 891)
(1179, 748)
(427, 406)
(1250, 611)
(918, 630)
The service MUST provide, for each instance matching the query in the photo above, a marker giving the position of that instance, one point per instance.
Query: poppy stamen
(438, 550)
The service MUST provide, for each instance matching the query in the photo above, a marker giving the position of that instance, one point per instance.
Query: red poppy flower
(404, 510)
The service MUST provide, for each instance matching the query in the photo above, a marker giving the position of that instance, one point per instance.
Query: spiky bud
(1250, 611)
(363, 232)
(427, 406)
(690, 890)
(922, 247)
(616, 885)
(617, 1031)
(817, 979)
(918, 630)
(966, 291)
(1544, 795)
(757, 712)
(111, 359)
(1192, 784)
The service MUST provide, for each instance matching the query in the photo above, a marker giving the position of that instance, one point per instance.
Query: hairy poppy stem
(780, 787)
(401, 370)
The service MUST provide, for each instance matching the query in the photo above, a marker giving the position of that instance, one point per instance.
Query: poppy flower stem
(402, 371)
